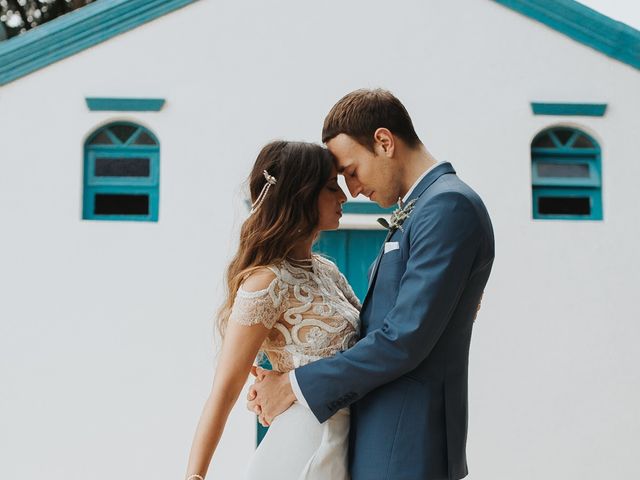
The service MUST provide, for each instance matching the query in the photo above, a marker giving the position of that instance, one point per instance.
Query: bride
(293, 306)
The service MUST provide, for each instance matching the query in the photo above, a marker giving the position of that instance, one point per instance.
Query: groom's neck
(415, 161)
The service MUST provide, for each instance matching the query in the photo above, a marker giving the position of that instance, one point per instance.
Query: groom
(406, 379)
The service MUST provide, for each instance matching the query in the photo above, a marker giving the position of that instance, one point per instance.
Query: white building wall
(106, 331)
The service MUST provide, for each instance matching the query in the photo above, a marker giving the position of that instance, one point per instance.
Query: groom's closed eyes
(348, 171)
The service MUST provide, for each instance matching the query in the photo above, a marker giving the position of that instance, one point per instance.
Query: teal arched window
(121, 173)
(566, 175)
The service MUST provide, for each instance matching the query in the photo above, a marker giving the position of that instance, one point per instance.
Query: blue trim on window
(594, 195)
(118, 152)
(573, 109)
(366, 208)
(95, 185)
(76, 31)
(565, 152)
(91, 192)
(592, 162)
(567, 187)
(587, 26)
(96, 104)
(568, 156)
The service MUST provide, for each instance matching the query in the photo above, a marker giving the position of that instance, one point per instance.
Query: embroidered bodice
(312, 313)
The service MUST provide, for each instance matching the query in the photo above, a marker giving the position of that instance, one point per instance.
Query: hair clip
(271, 180)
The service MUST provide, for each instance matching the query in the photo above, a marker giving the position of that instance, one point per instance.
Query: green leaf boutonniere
(398, 216)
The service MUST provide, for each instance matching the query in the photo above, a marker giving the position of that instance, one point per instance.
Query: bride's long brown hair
(288, 214)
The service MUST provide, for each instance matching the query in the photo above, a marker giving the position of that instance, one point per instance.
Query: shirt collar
(424, 174)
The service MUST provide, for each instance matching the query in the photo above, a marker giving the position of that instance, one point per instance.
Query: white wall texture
(106, 328)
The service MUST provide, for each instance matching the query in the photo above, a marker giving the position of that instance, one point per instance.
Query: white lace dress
(312, 313)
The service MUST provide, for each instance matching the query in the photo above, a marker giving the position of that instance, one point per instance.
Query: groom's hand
(270, 395)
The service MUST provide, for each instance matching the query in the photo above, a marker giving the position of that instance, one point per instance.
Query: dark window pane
(144, 139)
(565, 170)
(564, 205)
(583, 142)
(563, 135)
(122, 167)
(123, 132)
(101, 139)
(118, 204)
(543, 141)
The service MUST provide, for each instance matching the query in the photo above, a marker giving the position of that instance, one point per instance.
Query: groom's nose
(355, 187)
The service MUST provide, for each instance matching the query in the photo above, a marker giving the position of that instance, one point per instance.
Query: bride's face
(330, 203)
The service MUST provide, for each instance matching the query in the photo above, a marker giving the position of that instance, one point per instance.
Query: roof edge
(77, 31)
(585, 25)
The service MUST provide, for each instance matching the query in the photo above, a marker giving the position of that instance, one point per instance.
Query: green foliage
(19, 16)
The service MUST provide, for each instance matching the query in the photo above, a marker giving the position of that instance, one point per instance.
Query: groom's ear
(383, 142)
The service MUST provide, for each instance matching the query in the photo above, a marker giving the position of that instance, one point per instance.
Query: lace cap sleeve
(263, 306)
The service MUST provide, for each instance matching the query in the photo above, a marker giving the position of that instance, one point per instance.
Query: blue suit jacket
(406, 379)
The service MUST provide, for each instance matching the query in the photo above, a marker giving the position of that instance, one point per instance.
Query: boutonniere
(398, 216)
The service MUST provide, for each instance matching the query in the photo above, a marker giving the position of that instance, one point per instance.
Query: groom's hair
(360, 113)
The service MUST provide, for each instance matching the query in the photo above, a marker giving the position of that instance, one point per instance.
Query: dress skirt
(298, 447)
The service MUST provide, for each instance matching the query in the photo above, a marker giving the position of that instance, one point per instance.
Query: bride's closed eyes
(332, 185)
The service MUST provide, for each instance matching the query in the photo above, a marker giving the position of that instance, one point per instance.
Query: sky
(626, 11)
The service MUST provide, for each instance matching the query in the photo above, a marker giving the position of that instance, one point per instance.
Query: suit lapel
(374, 270)
(425, 183)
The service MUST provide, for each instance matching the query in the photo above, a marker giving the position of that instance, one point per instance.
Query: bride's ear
(383, 142)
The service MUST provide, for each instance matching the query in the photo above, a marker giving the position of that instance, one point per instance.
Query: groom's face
(365, 172)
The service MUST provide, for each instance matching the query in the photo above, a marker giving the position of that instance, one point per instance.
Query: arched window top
(564, 138)
(122, 134)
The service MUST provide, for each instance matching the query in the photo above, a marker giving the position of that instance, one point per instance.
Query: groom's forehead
(347, 151)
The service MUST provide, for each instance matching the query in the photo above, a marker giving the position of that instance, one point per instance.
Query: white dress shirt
(292, 375)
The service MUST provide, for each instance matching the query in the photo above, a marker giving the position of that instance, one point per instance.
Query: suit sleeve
(444, 239)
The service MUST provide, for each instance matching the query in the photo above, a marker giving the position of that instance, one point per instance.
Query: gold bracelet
(195, 476)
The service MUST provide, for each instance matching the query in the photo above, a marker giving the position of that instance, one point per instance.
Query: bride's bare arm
(239, 350)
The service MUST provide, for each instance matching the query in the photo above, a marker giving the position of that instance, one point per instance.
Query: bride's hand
(253, 406)
(270, 395)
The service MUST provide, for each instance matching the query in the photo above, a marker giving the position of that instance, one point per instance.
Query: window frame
(570, 187)
(93, 185)
(595, 202)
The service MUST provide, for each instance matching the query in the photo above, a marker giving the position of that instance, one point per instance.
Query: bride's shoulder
(258, 279)
(263, 278)
(262, 283)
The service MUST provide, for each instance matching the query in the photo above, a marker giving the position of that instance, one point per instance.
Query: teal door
(352, 251)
